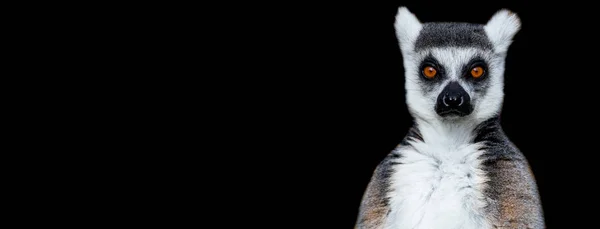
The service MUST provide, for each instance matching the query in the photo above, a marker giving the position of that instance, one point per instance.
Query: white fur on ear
(407, 28)
(501, 29)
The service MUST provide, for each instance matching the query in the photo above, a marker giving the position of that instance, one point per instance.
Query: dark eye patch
(475, 62)
(430, 61)
(429, 84)
(480, 84)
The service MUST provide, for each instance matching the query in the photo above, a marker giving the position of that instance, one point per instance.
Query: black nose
(453, 100)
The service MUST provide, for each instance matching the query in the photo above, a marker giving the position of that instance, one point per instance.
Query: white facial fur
(500, 30)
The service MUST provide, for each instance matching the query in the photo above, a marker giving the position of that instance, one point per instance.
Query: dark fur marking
(427, 84)
(480, 84)
(413, 134)
(444, 34)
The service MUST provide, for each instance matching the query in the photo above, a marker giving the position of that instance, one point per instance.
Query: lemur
(455, 168)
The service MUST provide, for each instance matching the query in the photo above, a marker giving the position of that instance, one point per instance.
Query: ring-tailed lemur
(455, 169)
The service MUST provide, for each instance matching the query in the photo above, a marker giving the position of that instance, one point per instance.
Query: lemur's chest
(437, 187)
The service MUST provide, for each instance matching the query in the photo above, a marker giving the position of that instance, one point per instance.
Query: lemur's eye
(477, 72)
(429, 72)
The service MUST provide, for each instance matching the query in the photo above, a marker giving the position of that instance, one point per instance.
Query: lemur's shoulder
(511, 190)
(375, 204)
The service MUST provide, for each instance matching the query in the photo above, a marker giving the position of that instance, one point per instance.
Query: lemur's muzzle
(453, 100)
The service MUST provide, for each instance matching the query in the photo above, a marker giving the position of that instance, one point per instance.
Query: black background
(325, 103)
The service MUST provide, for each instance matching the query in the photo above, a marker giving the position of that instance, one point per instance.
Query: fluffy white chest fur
(439, 183)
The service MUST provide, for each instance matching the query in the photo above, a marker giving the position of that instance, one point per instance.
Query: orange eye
(477, 72)
(429, 72)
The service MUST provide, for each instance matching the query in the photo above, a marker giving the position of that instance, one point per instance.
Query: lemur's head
(455, 70)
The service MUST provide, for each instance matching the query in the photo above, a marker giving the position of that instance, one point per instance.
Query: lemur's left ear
(407, 28)
(501, 29)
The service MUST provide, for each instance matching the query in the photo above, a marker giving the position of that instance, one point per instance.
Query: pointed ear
(501, 29)
(407, 28)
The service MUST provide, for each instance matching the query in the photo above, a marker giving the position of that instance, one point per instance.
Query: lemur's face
(455, 70)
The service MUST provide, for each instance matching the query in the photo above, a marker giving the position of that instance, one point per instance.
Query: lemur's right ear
(407, 28)
(501, 29)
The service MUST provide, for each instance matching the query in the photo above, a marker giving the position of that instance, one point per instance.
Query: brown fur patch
(374, 216)
(518, 205)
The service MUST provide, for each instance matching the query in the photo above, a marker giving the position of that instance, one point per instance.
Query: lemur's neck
(456, 133)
